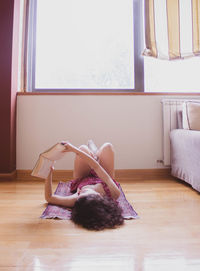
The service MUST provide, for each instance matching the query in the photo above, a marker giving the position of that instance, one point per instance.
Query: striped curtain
(172, 28)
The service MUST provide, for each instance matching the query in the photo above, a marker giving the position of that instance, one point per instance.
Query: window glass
(181, 75)
(172, 76)
(84, 44)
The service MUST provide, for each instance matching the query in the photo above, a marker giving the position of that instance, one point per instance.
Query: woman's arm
(103, 175)
(67, 201)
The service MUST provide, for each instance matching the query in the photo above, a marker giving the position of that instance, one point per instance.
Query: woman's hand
(68, 147)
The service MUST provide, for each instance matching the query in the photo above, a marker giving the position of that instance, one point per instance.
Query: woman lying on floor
(95, 192)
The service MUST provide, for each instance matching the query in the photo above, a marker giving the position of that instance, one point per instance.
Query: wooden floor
(166, 237)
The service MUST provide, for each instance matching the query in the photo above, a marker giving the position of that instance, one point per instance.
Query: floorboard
(165, 237)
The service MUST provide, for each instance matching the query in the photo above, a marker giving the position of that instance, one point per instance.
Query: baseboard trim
(8, 176)
(154, 173)
(61, 175)
(64, 175)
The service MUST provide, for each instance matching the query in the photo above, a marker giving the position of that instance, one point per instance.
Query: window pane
(172, 76)
(84, 44)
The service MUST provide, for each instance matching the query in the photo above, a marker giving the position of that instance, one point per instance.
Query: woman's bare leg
(105, 156)
(81, 169)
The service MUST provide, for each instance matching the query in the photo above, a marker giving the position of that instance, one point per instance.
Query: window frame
(138, 58)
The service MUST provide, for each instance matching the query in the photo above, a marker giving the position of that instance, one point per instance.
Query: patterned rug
(63, 189)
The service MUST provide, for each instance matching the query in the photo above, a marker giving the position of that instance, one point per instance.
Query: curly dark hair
(96, 213)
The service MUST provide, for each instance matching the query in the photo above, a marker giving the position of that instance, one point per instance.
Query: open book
(47, 159)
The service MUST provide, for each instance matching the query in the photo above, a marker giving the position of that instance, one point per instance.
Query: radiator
(170, 107)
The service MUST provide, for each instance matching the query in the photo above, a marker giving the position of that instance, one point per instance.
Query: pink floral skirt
(92, 178)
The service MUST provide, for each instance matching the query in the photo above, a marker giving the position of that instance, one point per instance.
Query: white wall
(132, 123)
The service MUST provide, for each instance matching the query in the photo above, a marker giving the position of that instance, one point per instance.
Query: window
(173, 33)
(172, 76)
(85, 45)
(96, 46)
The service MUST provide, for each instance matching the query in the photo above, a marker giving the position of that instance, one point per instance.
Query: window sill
(110, 93)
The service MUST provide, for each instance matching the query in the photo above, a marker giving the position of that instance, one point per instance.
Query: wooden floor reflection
(165, 238)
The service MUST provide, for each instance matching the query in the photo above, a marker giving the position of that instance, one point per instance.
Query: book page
(42, 167)
(55, 152)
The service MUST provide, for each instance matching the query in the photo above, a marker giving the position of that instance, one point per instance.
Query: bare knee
(107, 147)
(106, 150)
